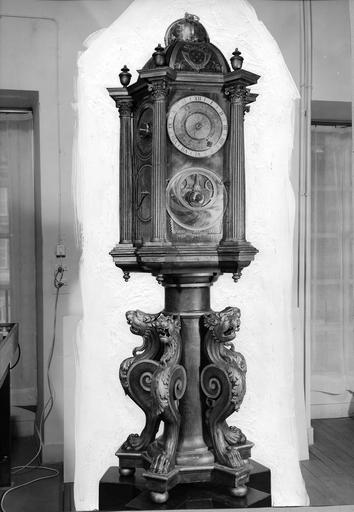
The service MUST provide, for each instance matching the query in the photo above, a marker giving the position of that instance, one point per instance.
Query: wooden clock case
(182, 218)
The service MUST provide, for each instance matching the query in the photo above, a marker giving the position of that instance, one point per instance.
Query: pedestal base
(208, 490)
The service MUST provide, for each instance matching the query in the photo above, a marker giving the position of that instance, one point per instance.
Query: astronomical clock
(182, 218)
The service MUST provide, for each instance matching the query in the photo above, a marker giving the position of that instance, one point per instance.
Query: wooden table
(8, 346)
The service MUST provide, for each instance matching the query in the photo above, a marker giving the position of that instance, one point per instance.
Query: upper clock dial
(197, 126)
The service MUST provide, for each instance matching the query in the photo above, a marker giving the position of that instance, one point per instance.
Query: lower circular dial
(196, 198)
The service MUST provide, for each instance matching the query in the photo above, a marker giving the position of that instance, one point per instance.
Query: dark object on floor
(8, 345)
(127, 493)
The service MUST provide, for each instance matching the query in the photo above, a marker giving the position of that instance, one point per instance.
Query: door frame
(18, 99)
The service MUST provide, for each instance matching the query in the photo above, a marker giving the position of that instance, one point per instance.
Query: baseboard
(23, 396)
(53, 453)
(68, 497)
(22, 422)
(330, 410)
(310, 437)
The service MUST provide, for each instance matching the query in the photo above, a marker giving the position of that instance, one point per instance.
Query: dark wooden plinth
(129, 493)
(8, 345)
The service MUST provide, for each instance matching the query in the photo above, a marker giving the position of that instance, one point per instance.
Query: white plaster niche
(104, 416)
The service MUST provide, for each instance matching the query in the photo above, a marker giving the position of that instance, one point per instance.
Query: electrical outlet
(60, 251)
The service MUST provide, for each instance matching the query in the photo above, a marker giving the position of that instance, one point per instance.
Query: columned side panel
(158, 190)
(234, 224)
(125, 170)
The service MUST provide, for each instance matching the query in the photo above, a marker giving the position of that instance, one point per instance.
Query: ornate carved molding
(125, 107)
(239, 95)
(159, 90)
(224, 384)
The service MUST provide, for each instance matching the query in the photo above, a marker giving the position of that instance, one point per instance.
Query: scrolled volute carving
(136, 375)
(141, 324)
(125, 107)
(167, 388)
(223, 384)
(156, 382)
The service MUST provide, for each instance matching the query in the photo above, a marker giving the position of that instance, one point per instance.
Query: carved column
(234, 223)
(125, 170)
(158, 186)
(189, 298)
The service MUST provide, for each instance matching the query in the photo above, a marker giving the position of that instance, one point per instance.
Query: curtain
(17, 247)
(332, 265)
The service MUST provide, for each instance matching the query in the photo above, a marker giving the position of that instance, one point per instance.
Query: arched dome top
(188, 48)
(186, 29)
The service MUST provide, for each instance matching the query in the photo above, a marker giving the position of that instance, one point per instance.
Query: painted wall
(42, 56)
(104, 415)
(331, 51)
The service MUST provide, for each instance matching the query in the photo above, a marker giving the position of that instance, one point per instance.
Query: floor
(328, 475)
(42, 496)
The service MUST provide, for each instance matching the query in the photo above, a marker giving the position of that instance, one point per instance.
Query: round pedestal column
(189, 297)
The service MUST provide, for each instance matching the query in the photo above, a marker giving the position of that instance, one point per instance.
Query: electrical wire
(18, 357)
(58, 283)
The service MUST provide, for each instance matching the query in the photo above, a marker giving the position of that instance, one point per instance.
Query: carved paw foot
(239, 491)
(160, 464)
(155, 448)
(233, 458)
(131, 443)
(235, 436)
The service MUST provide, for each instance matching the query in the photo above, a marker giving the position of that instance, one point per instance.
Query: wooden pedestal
(188, 375)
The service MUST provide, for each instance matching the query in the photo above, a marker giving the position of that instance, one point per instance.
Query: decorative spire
(159, 56)
(125, 76)
(236, 60)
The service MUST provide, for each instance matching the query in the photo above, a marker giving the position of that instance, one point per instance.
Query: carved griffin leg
(224, 385)
(167, 388)
(136, 373)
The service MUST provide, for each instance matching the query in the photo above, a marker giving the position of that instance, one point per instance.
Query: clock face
(196, 198)
(197, 126)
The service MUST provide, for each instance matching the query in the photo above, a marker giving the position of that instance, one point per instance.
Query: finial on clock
(159, 56)
(236, 60)
(125, 76)
(126, 275)
(236, 276)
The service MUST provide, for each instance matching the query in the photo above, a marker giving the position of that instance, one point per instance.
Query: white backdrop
(104, 416)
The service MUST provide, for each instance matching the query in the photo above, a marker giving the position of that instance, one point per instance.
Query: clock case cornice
(239, 77)
(231, 253)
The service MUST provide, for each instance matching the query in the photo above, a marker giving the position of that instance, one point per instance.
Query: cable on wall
(47, 409)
